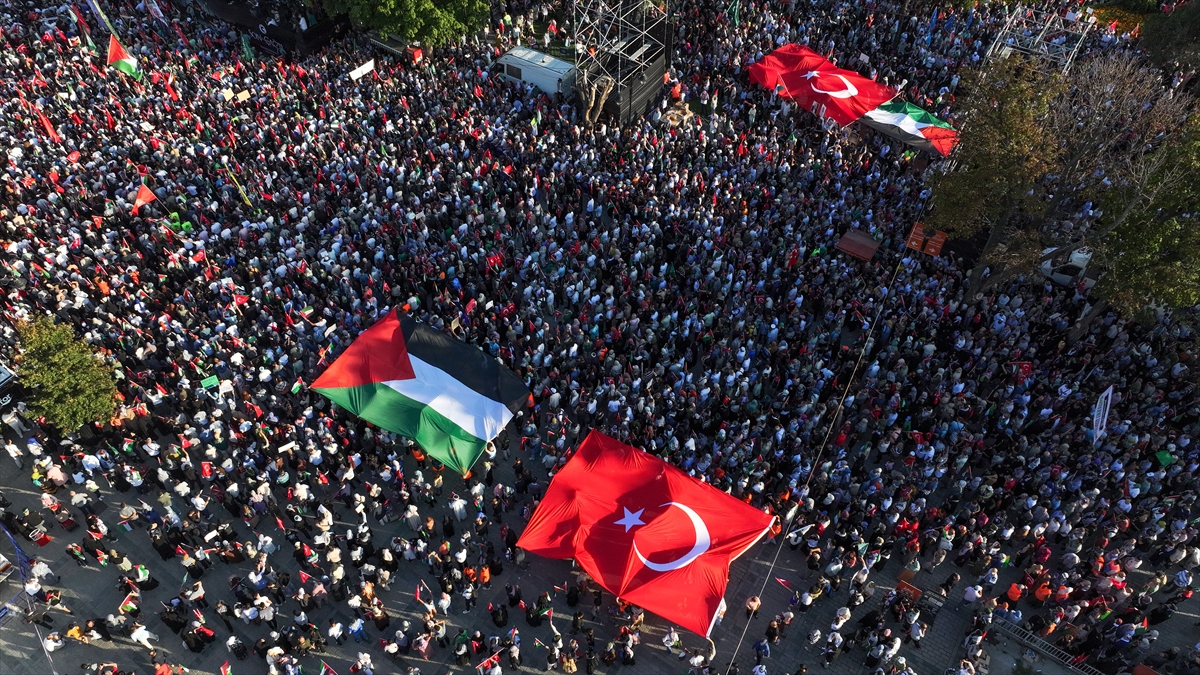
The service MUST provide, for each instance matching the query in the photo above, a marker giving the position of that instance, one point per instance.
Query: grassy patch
(558, 47)
(1126, 18)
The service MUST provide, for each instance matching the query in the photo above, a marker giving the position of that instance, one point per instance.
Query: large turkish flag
(644, 530)
(805, 76)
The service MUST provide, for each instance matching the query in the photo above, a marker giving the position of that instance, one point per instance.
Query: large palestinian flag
(913, 125)
(408, 378)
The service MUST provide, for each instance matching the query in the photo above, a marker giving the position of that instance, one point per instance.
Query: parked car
(1073, 272)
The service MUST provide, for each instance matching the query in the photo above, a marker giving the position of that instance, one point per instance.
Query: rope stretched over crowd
(862, 353)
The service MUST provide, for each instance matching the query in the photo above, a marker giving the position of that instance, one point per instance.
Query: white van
(551, 75)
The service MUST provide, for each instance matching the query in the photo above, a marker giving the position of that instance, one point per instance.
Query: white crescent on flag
(848, 92)
(703, 541)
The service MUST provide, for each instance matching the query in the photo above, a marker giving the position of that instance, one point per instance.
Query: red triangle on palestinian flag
(225, 669)
(420, 382)
(378, 355)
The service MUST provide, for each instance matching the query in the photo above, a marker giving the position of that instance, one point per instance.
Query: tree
(68, 384)
(426, 21)
(1003, 149)
(1039, 150)
(1174, 36)
(1153, 257)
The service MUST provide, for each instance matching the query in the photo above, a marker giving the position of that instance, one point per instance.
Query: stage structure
(622, 51)
(1052, 38)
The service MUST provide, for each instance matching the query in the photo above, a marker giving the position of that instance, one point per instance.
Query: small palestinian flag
(225, 669)
(121, 60)
(326, 670)
(129, 603)
(421, 383)
(912, 125)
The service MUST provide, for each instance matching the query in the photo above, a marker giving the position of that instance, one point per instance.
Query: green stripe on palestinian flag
(913, 125)
(121, 60)
(408, 378)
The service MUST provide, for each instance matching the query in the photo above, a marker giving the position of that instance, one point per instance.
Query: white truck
(551, 75)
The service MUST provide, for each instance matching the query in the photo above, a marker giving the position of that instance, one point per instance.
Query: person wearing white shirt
(14, 452)
(337, 632)
(52, 642)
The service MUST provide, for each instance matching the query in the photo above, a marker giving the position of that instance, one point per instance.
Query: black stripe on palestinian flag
(465, 363)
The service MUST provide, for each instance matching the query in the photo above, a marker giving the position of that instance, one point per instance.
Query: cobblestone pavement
(91, 592)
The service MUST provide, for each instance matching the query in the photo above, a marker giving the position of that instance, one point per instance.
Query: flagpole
(233, 178)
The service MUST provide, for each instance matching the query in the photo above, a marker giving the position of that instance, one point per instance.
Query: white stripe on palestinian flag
(121, 60)
(899, 120)
(473, 412)
(912, 125)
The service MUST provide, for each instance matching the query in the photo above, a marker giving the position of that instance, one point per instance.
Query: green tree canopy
(1003, 150)
(1153, 257)
(68, 384)
(1175, 36)
(428, 21)
(1037, 148)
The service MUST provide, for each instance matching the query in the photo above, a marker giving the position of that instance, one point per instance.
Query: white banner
(362, 70)
(1100, 414)
(156, 12)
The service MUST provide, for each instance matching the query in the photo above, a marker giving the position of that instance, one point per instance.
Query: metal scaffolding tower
(1053, 39)
(622, 46)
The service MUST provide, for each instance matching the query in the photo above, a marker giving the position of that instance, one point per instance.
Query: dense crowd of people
(676, 287)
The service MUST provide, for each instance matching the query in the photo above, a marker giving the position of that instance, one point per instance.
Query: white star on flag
(631, 519)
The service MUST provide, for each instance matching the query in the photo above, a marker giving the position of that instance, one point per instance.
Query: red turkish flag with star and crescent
(644, 530)
(799, 73)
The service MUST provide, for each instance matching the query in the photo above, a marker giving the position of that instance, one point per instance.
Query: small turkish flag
(304, 578)
(644, 530)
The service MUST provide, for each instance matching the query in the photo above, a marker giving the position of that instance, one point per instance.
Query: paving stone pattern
(91, 592)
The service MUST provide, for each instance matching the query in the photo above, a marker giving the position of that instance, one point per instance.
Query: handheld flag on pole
(129, 603)
(121, 60)
(144, 196)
